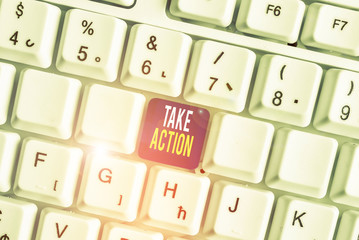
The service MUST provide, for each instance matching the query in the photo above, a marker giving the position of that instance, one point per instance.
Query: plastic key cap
(237, 212)
(174, 200)
(116, 231)
(344, 187)
(277, 19)
(7, 74)
(17, 219)
(48, 172)
(9, 144)
(238, 147)
(118, 181)
(46, 103)
(298, 219)
(332, 28)
(57, 224)
(285, 90)
(110, 118)
(28, 31)
(156, 60)
(349, 226)
(338, 104)
(214, 80)
(87, 48)
(301, 162)
(218, 12)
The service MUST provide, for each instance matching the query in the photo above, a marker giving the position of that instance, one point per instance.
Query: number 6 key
(156, 60)
(285, 90)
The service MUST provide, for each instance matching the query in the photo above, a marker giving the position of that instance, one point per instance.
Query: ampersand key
(151, 44)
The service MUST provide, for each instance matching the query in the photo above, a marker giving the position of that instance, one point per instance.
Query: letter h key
(174, 200)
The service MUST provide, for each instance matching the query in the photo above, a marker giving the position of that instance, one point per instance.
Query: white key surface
(60, 224)
(89, 49)
(332, 28)
(124, 3)
(349, 226)
(285, 90)
(7, 75)
(174, 200)
(237, 212)
(28, 31)
(48, 172)
(214, 80)
(344, 187)
(298, 219)
(338, 106)
(9, 145)
(156, 60)
(217, 12)
(353, 4)
(46, 103)
(117, 180)
(116, 231)
(280, 20)
(301, 162)
(238, 147)
(110, 118)
(17, 219)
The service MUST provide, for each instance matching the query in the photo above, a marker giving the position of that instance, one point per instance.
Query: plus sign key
(156, 60)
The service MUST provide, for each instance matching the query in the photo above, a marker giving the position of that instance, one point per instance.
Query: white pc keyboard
(179, 119)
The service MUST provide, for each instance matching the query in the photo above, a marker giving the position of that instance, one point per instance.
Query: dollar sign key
(19, 12)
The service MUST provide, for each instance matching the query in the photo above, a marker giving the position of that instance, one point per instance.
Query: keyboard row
(173, 201)
(325, 26)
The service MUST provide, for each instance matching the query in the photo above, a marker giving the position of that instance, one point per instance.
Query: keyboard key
(174, 200)
(297, 219)
(116, 231)
(214, 80)
(218, 12)
(89, 49)
(47, 172)
(7, 74)
(156, 60)
(124, 3)
(28, 31)
(238, 147)
(331, 28)
(349, 226)
(285, 90)
(280, 20)
(301, 162)
(110, 118)
(344, 187)
(46, 103)
(9, 144)
(17, 219)
(173, 133)
(354, 4)
(338, 103)
(237, 212)
(57, 224)
(118, 181)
